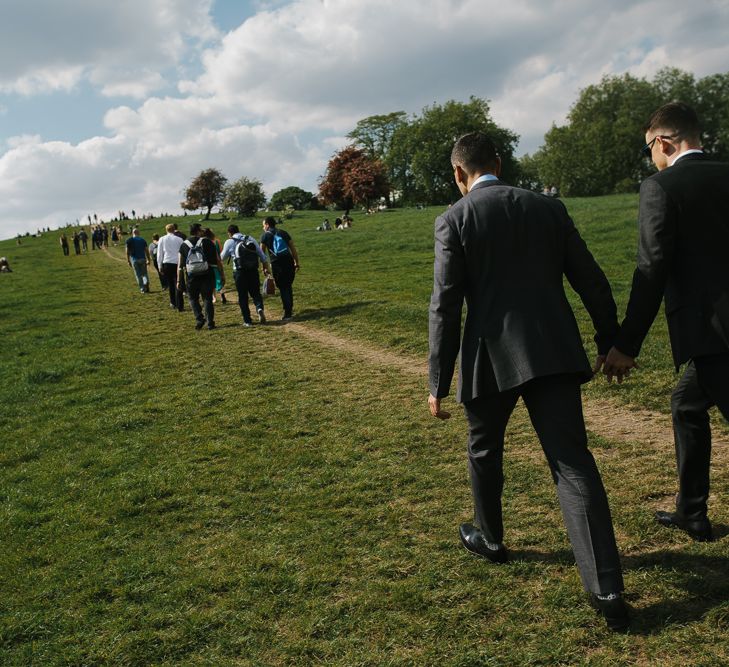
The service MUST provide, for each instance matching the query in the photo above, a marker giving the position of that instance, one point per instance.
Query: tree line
(405, 159)
(210, 188)
(596, 152)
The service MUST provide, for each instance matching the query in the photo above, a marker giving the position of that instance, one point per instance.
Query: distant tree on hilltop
(353, 178)
(206, 191)
(246, 196)
(291, 196)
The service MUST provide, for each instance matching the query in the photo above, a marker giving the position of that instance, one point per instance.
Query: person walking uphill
(168, 253)
(138, 258)
(246, 254)
(198, 256)
(682, 258)
(505, 251)
(284, 262)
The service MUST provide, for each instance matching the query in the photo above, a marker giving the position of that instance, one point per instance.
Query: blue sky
(107, 105)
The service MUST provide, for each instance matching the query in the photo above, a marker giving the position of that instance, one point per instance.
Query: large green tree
(597, 151)
(291, 196)
(206, 191)
(713, 110)
(420, 153)
(245, 196)
(374, 136)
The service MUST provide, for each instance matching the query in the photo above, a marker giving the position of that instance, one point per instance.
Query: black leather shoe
(475, 542)
(613, 611)
(698, 529)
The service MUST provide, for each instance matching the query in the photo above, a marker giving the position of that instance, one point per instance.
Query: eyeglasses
(647, 150)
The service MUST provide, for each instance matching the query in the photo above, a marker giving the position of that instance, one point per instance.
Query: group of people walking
(99, 235)
(506, 251)
(193, 266)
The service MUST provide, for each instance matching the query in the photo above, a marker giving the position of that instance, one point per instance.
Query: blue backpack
(280, 247)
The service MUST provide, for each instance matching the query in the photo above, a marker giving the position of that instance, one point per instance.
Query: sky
(109, 105)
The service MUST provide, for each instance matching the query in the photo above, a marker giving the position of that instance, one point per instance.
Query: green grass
(254, 497)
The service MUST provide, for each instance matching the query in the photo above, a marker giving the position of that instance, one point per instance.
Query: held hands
(615, 365)
(434, 405)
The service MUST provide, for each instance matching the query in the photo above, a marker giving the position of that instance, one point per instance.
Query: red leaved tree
(353, 178)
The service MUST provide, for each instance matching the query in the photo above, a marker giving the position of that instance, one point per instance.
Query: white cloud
(275, 97)
(121, 47)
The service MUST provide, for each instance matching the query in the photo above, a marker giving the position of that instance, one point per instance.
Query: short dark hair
(474, 152)
(155, 237)
(270, 221)
(675, 117)
(195, 228)
(233, 229)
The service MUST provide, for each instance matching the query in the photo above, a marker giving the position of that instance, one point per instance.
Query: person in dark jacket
(683, 258)
(505, 252)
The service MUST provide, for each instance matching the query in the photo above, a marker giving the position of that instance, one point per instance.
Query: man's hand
(434, 405)
(618, 365)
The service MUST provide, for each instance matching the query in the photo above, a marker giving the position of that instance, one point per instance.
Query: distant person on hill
(84, 240)
(284, 259)
(168, 254)
(683, 257)
(219, 287)
(64, 244)
(198, 256)
(96, 239)
(76, 243)
(505, 252)
(138, 258)
(153, 255)
(4, 265)
(246, 254)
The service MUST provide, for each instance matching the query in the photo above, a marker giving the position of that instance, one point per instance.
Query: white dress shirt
(168, 250)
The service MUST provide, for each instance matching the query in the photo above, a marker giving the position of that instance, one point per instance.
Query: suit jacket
(683, 254)
(505, 251)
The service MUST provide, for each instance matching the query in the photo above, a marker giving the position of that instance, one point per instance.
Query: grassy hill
(273, 495)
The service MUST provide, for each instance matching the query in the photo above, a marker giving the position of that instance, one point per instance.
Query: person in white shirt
(168, 252)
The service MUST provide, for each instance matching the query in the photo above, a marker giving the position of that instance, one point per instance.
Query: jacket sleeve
(446, 304)
(589, 281)
(657, 228)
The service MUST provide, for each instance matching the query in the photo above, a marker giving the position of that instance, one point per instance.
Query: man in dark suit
(505, 251)
(683, 253)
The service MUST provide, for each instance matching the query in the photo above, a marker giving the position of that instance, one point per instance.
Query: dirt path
(608, 419)
(605, 418)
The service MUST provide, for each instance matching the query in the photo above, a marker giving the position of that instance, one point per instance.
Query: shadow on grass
(702, 578)
(334, 311)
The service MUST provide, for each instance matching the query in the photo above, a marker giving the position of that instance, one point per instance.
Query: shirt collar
(687, 152)
(482, 179)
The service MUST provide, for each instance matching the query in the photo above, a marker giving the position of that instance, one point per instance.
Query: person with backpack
(197, 258)
(245, 254)
(284, 262)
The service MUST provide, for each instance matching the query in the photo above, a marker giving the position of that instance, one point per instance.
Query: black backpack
(246, 256)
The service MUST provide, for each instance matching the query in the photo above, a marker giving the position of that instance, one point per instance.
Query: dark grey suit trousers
(704, 384)
(554, 404)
